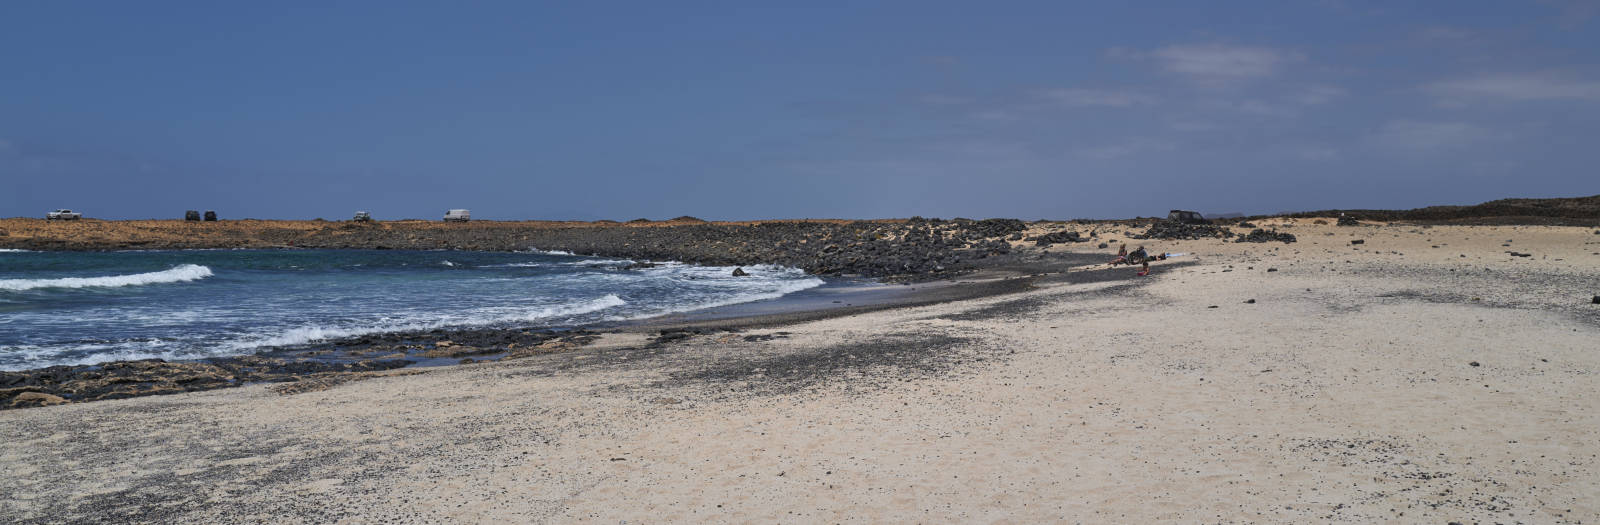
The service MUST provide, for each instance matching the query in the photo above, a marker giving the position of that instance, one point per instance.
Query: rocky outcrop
(1260, 235)
(1175, 230)
(1056, 238)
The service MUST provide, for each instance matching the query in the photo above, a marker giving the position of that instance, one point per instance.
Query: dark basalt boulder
(1260, 235)
(1175, 230)
(1057, 238)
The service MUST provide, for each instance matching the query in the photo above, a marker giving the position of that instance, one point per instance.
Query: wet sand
(1316, 381)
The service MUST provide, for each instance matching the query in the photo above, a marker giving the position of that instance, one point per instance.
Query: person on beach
(1122, 255)
(1145, 270)
(1138, 256)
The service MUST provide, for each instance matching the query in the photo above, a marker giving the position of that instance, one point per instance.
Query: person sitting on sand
(1138, 256)
(1122, 255)
(1145, 270)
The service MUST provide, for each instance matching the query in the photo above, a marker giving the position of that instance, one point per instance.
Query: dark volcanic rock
(1345, 220)
(123, 379)
(1057, 238)
(1174, 230)
(917, 248)
(739, 272)
(1358, 241)
(1260, 235)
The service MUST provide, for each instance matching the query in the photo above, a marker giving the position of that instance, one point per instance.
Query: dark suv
(1186, 217)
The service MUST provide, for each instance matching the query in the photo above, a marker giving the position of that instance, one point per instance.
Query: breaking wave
(178, 274)
(312, 334)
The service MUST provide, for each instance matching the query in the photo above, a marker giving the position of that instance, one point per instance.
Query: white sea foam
(13, 250)
(550, 252)
(582, 263)
(312, 334)
(182, 273)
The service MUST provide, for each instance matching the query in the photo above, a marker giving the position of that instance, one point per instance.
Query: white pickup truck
(457, 216)
(63, 215)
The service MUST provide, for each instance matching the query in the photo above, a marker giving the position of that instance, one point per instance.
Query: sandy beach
(1424, 375)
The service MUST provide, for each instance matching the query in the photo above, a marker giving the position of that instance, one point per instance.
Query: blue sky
(742, 110)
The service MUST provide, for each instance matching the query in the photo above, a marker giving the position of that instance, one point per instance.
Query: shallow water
(78, 308)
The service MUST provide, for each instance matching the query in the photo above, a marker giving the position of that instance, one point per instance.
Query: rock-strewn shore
(303, 368)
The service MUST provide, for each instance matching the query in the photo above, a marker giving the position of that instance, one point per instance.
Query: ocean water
(80, 308)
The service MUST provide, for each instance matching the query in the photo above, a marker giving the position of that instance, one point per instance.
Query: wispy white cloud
(1516, 86)
(1573, 13)
(936, 99)
(1312, 152)
(1193, 126)
(1075, 97)
(1124, 148)
(1317, 95)
(1215, 64)
(1256, 107)
(994, 115)
(1444, 33)
(1418, 136)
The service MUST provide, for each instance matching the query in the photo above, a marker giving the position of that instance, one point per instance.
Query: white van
(458, 215)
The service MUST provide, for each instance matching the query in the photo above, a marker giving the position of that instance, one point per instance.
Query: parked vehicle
(211, 215)
(191, 215)
(362, 216)
(63, 215)
(1186, 217)
(457, 216)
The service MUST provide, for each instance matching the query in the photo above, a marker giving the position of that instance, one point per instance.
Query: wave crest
(312, 334)
(178, 274)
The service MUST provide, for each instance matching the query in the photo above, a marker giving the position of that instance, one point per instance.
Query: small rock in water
(1272, 269)
(739, 272)
(1250, 301)
(1596, 300)
(1474, 363)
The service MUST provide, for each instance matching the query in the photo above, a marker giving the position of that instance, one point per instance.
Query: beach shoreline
(1424, 374)
(389, 352)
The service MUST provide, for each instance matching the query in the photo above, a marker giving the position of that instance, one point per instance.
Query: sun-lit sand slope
(1425, 375)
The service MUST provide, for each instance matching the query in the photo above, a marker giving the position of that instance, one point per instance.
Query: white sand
(1344, 393)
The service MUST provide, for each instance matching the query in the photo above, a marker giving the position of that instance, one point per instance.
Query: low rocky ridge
(918, 248)
(915, 247)
(1575, 211)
